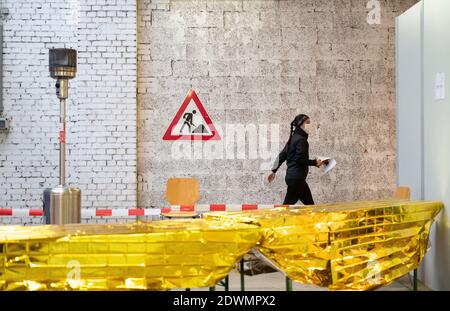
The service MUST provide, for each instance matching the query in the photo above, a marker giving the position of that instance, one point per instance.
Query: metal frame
(225, 283)
(242, 278)
(415, 281)
(241, 268)
(288, 284)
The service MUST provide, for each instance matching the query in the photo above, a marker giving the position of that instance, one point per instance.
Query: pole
(415, 280)
(227, 283)
(62, 142)
(288, 284)
(242, 274)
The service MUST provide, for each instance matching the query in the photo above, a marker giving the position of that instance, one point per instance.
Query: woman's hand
(319, 162)
(271, 177)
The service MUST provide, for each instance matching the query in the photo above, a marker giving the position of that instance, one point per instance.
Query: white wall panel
(436, 267)
(409, 99)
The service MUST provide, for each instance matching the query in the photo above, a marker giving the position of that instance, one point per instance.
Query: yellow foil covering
(157, 256)
(356, 246)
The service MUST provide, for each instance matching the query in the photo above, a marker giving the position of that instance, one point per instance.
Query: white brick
(106, 44)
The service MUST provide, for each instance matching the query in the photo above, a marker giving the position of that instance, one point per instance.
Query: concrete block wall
(101, 136)
(263, 62)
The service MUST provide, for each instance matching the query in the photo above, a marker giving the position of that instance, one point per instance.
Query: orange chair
(403, 193)
(183, 192)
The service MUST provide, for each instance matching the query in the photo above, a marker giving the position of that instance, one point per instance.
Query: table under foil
(347, 246)
(358, 246)
(158, 256)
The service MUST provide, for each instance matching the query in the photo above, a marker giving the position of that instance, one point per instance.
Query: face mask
(307, 128)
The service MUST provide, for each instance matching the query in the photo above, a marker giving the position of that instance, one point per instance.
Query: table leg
(288, 284)
(242, 275)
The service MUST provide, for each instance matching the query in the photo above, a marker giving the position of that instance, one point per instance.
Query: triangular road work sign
(191, 122)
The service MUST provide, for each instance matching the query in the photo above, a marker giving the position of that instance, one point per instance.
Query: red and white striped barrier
(85, 212)
(21, 212)
(119, 212)
(219, 207)
(133, 212)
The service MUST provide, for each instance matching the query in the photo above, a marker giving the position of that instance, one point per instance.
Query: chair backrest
(182, 191)
(403, 193)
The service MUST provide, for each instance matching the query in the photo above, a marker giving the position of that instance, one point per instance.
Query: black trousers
(298, 189)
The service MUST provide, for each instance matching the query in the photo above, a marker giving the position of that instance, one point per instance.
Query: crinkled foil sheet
(348, 246)
(149, 256)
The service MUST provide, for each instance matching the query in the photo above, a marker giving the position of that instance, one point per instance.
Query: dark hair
(298, 121)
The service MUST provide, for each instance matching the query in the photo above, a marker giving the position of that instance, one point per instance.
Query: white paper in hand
(330, 164)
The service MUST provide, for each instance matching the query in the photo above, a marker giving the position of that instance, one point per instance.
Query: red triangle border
(191, 95)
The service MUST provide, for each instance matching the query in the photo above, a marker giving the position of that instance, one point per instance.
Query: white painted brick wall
(101, 157)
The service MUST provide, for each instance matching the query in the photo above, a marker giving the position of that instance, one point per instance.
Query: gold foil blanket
(356, 246)
(160, 255)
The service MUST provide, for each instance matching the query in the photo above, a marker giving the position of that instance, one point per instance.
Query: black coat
(296, 155)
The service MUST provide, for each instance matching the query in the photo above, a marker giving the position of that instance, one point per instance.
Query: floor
(276, 282)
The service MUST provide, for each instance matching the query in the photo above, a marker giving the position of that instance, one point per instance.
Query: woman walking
(296, 155)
